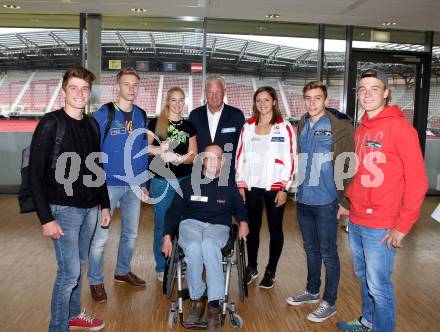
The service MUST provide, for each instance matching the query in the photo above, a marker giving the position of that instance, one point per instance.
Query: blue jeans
(159, 187)
(373, 265)
(319, 227)
(130, 206)
(71, 252)
(202, 244)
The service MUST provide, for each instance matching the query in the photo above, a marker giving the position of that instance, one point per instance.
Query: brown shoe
(131, 279)
(196, 311)
(214, 324)
(98, 293)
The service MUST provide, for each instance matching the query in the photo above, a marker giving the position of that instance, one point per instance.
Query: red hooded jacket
(389, 186)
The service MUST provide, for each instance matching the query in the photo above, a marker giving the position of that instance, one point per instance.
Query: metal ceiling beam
(57, 39)
(123, 43)
(302, 59)
(60, 42)
(29, 44)
(242, 52)
(213, 48)
(271, 56)
(153, 44)
(183, 43)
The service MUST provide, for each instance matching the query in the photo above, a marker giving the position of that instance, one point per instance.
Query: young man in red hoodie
(385, 196)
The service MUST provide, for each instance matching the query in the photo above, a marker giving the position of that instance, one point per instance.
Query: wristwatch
(179, 158)
(284, 190)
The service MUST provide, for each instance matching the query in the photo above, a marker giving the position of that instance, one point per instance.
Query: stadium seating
(239, 93)
(198, 97)
(39, 92)
(43, 85)
(12, 84)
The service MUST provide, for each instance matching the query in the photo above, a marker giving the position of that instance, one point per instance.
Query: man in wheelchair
(203, 216)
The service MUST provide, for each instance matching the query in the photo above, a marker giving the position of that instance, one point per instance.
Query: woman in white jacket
(264, 171)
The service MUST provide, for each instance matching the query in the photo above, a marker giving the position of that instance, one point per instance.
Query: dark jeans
(254, 205)
(319, 228)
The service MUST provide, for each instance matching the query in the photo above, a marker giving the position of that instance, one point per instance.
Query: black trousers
(254, 204)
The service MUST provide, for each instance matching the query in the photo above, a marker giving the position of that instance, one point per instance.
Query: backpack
(111, 116)
(25, 200)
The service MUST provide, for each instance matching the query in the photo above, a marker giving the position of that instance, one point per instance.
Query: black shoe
(251, 274)
(196, 311)
(98, 293)
(131, 279)
(268, 279)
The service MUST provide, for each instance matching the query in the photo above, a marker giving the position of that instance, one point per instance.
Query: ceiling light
(273, 16)
(189, 18)
(388, 24)
(12, 6)
(138, 10)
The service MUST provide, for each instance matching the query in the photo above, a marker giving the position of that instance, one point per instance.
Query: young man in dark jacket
(127, 117)
(325, 136)
(68, 207)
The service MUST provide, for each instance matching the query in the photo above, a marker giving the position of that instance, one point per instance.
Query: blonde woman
(172, 140)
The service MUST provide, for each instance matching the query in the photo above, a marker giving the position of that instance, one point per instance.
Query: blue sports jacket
(114, 146)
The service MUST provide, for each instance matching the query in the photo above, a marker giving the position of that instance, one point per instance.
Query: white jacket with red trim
(280, 171)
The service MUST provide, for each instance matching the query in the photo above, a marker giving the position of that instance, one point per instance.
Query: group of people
(201, 172)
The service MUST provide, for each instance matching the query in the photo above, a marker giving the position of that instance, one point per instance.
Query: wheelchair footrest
(202, 325)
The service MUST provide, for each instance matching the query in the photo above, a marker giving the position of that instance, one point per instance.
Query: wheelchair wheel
(241, 266)
(169, 278)
(172, 316)
(235, 321)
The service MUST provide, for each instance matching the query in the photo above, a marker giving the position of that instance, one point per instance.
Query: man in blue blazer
(216, 122)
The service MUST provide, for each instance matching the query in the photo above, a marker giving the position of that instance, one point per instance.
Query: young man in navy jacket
(216, 122)
(127, 118)
(204, 212)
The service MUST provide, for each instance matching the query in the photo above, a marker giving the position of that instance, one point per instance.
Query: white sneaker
(159, 276)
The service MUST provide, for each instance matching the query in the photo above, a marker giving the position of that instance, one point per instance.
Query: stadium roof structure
(60, 48)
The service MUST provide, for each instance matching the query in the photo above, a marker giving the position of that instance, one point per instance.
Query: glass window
(32, 60)
(251, 54)
(334, 65)
(35, 50)
(388, 39)
(165, 52)
(432, 146)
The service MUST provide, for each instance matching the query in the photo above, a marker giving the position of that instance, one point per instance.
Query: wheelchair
(233, 253)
